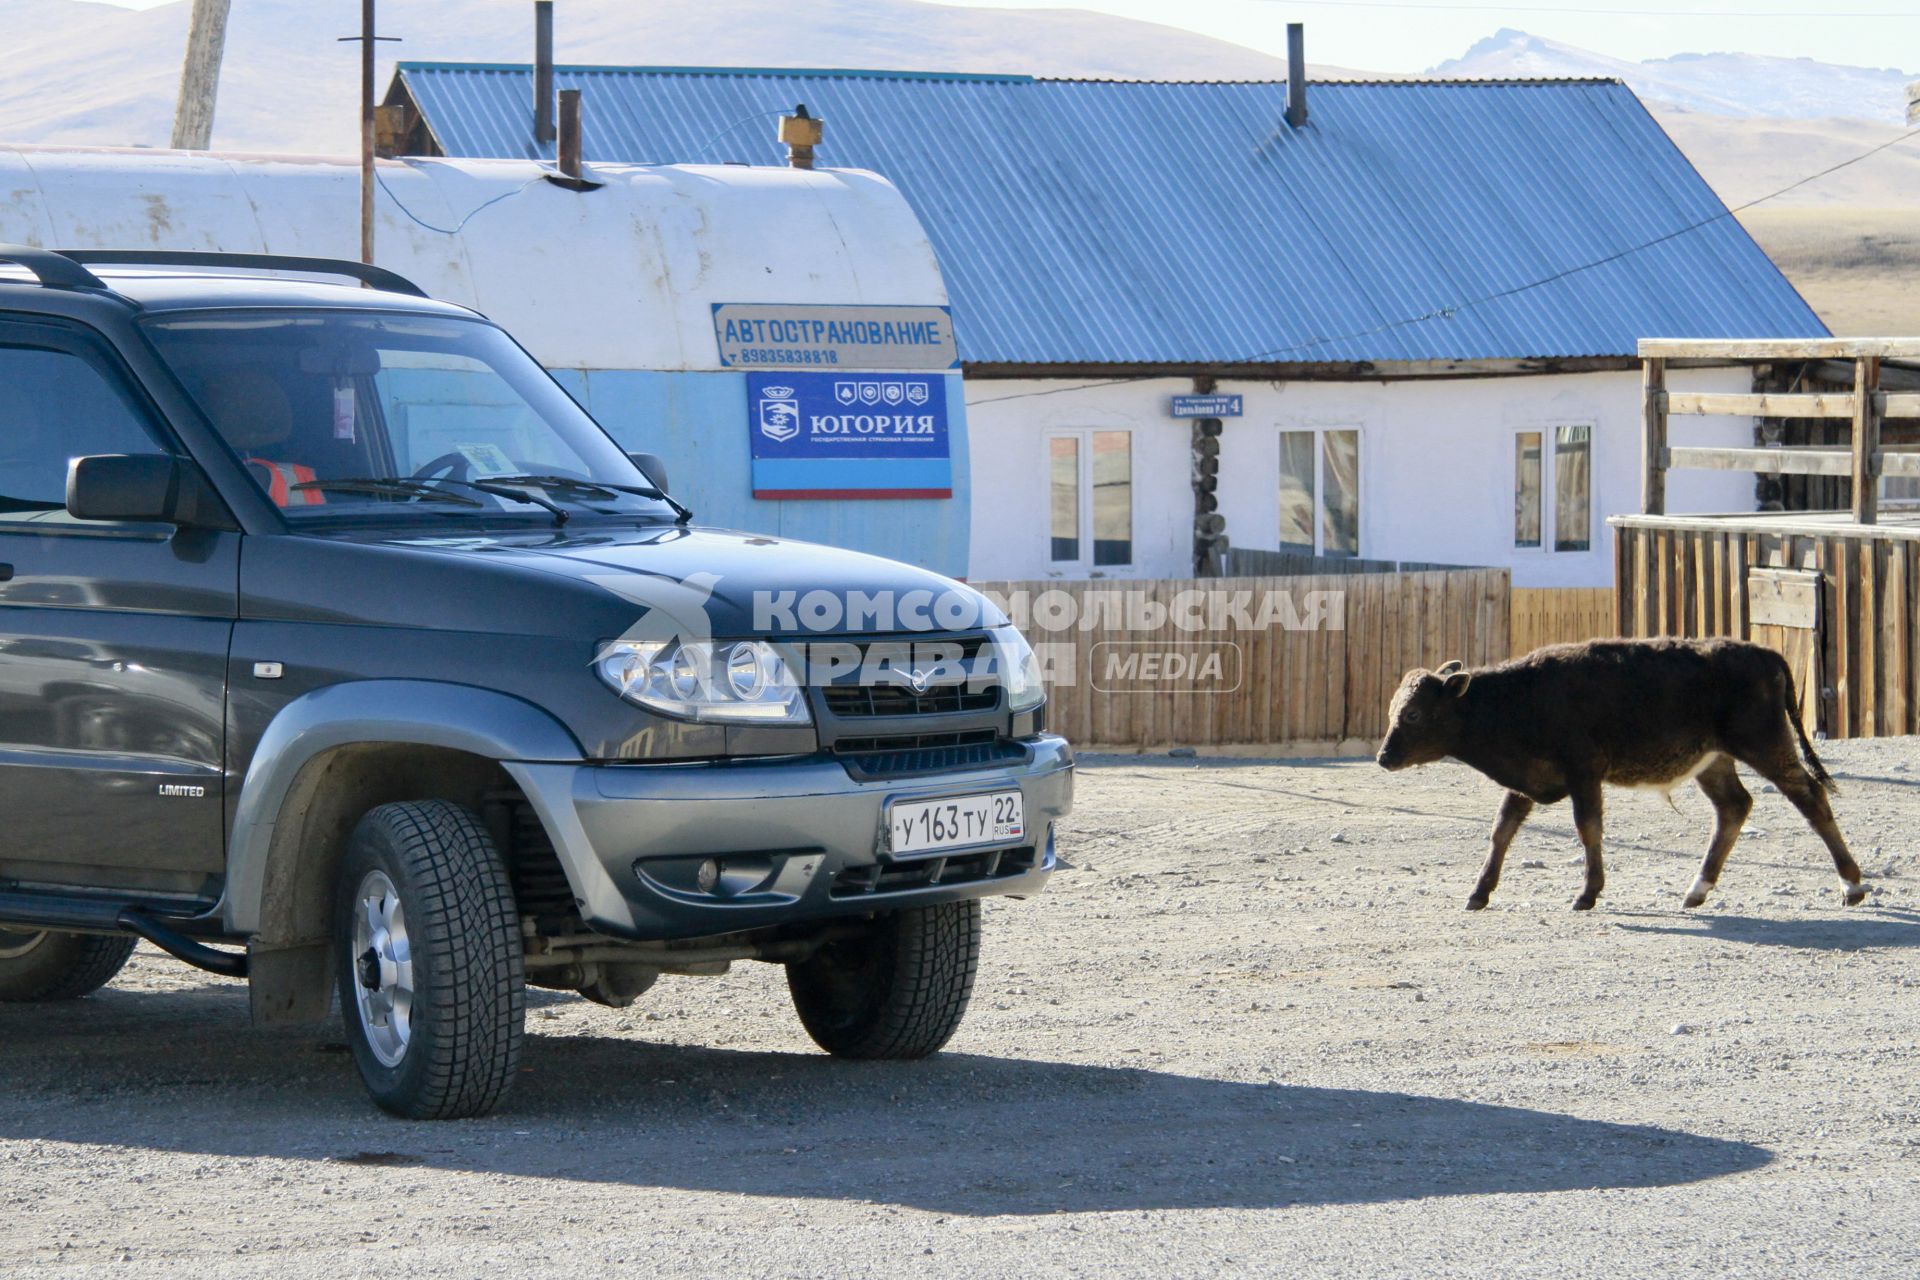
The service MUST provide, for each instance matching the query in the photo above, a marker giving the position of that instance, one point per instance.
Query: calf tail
(1791, 709)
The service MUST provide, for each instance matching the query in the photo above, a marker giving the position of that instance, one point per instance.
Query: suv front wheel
(431, 975)
(37, 967)
(898, 989)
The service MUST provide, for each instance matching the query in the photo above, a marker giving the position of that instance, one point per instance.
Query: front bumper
(794, 840)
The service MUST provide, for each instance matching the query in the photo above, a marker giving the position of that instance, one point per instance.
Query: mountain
(1727, 84)
(95, 74)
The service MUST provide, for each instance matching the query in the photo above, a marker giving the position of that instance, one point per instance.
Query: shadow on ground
(1861, 929)
(959, 1133)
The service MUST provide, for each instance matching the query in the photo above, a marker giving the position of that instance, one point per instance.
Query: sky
(1412, 35)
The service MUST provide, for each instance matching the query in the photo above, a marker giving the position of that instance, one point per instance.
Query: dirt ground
(1249, 1029)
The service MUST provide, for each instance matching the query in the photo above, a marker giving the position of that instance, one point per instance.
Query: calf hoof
(1854, 894)
(1585, 901)
(1478, 902)
(1698, 894)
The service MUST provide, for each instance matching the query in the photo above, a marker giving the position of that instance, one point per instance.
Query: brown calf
(1565, 719)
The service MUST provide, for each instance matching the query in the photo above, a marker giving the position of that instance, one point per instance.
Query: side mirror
(656, 470)
(142, 488)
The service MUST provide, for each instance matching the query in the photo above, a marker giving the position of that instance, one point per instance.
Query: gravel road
(1250, 1029)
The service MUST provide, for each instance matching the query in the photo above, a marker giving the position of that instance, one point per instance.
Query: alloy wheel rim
(383, 968)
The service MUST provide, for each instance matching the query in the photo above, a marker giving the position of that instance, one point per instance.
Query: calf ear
(1456, 683)
(1449, 668)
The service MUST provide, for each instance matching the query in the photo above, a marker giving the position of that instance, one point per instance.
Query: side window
(1090, 499)
(1553, 487)
(1320, 477)
(56, 406)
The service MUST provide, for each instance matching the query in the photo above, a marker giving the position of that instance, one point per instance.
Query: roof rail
(365, 273)
(54, 270)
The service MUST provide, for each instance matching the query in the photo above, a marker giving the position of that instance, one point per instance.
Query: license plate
(916, 827)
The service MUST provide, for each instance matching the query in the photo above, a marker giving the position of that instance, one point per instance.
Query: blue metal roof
(1124, 222)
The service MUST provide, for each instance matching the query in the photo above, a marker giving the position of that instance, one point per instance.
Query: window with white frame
(1320, 491)
(1563, 506)
(1090, 498)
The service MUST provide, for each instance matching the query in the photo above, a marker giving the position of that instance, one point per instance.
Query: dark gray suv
(333, 628)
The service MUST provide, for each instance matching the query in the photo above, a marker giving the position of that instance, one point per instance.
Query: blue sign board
(1206, 406)
(849, 435)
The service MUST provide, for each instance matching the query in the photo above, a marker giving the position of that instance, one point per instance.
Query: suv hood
(748, 584)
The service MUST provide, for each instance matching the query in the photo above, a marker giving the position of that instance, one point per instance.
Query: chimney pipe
(802, 133)
(568, 153)
(1296, 74)
(542, 71)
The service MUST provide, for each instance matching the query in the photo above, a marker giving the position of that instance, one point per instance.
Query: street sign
(1206, 406)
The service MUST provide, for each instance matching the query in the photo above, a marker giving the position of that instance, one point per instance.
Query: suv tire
(431, 978)
(38, 967)
(899, 990)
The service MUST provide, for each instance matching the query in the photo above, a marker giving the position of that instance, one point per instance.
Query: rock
(1682, 1029)
(1338, 837)
(1533, 864)
(1183, 753)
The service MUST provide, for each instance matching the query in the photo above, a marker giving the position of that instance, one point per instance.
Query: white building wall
(1436, 465)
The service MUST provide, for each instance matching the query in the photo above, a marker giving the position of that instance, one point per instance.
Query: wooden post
(366, 130)
(1866, 439)
(200, 76)
(1653, 446)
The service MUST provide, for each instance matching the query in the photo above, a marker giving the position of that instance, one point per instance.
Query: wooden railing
(1866, 406)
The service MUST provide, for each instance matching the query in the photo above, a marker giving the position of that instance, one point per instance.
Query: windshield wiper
(683, 514)
(421, 489)
(429, 490)
(507, 491)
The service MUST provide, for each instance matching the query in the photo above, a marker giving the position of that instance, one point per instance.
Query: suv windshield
(340, 413)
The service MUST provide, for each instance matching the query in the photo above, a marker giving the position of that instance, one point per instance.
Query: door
(113, 642)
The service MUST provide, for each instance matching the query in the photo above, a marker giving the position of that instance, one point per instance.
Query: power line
(1448, 310)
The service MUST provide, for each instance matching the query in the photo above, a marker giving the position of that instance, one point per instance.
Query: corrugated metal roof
(1130, 222)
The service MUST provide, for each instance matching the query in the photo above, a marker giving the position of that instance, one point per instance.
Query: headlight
(743, 682)
(1019, 669)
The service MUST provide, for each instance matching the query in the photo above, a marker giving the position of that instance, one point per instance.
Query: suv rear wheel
(898, 990)
(431, 978)
(36, 967)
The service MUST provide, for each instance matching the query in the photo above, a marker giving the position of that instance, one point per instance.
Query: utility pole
(367, 40)
(200, 76)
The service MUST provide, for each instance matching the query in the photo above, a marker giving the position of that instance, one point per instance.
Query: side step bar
(104, 915)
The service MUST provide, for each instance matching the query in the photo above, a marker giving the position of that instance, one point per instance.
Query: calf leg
(1781, 765)
(1586, 820)
(1513, 811)
(1731, 804)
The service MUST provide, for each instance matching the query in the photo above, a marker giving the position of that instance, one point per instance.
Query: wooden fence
(1838, 593)
(1251, 562)
(1560, 615)
(1318, 676)
(1838, 599)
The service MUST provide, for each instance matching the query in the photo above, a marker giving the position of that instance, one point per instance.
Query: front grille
(907, 754)
(850, 701)
(960, 868)
(882, 689)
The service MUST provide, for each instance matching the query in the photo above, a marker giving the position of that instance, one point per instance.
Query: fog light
(708, 877)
